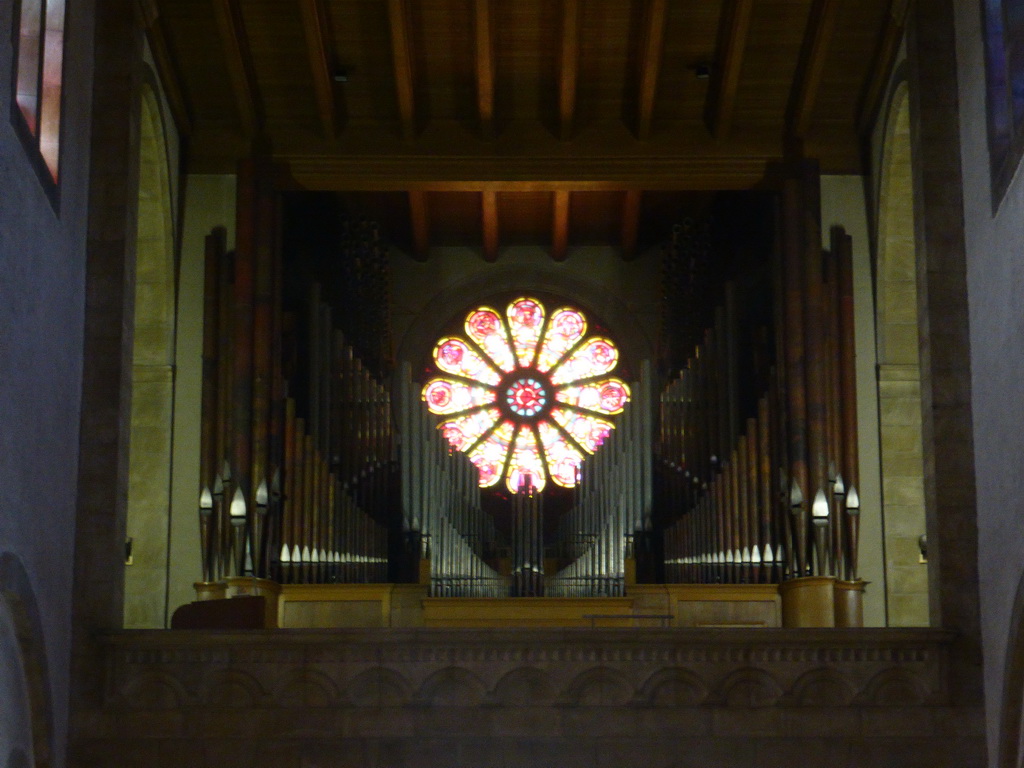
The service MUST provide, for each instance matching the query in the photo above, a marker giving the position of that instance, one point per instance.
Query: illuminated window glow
(39, 74)
(527, 395)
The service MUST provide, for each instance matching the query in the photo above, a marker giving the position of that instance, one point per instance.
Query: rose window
(527, 395)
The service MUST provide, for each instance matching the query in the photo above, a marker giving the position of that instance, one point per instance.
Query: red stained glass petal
(444, 396)
(597, 355)
(489, 457)
(608, 396)
(526, 462)
(588, 431)
(487, 329)
(566, 327)
(525, 321)
(562, 459)
(456, 356)
(463, 431)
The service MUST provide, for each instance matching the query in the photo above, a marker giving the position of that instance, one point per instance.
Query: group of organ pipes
(296, 498)
(313, 486)
(772, 496)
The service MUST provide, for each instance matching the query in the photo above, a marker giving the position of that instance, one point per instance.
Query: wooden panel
(527, 42)
(275, 35)
(525, 217)
(690, 36)
(194, 44)
(596, 218)
(773, 51)
(446, 87)
(362, 34)
(608, 59)
(455, 219)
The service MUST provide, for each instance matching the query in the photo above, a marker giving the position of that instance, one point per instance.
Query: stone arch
(524, 687)
(233, 688)
(310, 688)
(673, 687)
(1011, 711)
(550, 283)
(600, 686)
(749, 687)
(152, 377)
(26, 717)
(895, 687)
(822, 688)
(899, 374)
(378, 687)
(452, 687)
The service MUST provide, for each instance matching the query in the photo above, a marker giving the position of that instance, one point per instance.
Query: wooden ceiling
(525, 105)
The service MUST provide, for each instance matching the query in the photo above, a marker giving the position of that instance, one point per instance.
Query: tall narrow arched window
(38, 77)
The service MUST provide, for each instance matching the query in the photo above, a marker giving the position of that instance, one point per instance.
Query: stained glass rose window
(526, 394)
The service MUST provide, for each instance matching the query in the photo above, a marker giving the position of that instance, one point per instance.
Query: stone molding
(169, 670)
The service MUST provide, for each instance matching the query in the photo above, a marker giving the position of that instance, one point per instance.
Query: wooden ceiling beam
(167, 72)
(650, 64)
(630, 222)
(238, 58)
(489, 216)
(560, 224)
(735, 27)
(820, 25)
(569, 71)
(401, 53)
(320, 47)
(419, 216)
(483, 25)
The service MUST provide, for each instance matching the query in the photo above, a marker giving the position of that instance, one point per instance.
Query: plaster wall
(42, 274)
(995, 278)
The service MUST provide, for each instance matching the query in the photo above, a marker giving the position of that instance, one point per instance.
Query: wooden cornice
(650, 64)
(489, 216)
(238, 59)
(401, 52)
(568, 67)
(560, 224)
(320, 47)
(820, 26)
(726, 76)
(484, 36)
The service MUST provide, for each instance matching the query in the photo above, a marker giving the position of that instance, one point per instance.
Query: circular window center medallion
(526, 397)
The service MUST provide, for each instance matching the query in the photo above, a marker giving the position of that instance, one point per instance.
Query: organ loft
(533, 459)
(479, 383)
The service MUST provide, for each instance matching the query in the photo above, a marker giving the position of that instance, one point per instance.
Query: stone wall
(42, 292)
(525, 698)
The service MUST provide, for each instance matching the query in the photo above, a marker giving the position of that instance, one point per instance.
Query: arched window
(40, 61)
(527, 396)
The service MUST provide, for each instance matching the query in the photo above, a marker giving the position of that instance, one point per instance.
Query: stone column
(107, 372)
(947, 432)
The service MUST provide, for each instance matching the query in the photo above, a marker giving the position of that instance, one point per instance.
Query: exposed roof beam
(238, 59)
(630, 222)
(489, 215)
(319, 45)
(569, 66)
(735, 26)
(401, 52)
(168, 74)
(560, 225)
(420, 218)
(484, 65)
(820, 25)
(882, 63)
(650, 64)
